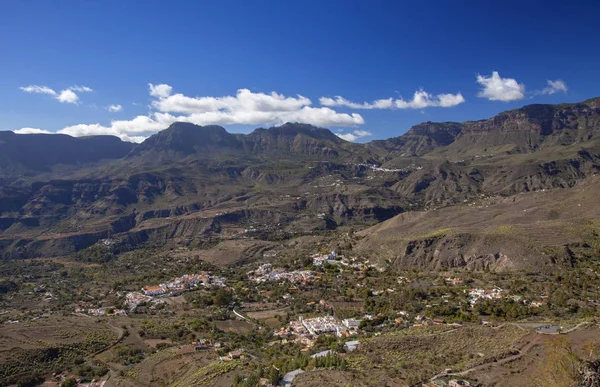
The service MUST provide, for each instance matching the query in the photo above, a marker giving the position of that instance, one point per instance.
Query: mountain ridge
(188, 183)
(420, 139)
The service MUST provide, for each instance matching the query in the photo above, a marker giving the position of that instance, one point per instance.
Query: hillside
(528, 231)
(187, 183)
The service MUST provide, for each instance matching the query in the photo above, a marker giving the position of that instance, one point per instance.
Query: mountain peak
(292, 129)
(186, 138)
(182, 126)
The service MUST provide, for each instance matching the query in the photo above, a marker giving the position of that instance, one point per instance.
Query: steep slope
(188, 182)
(531, 128)
(32, 154)
(301, 139)
(523, 130)
(420, 139)
(532, 231)
(183, 139)
(290, 141)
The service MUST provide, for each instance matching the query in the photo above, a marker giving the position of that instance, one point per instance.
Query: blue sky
(220, 61)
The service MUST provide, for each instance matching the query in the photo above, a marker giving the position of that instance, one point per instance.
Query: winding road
(536, 339)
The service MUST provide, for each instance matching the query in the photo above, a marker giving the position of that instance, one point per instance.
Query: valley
(202, 257)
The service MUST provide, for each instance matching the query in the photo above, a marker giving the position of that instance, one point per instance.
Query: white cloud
(67, 96)
(245, 107)
(249, 108)
(38, 89)
(421, 99)
(354, 135)
(554, 87)
(243, 101)
(114, 108)
(127, 130)
(496, 88)
(32, 131)
(341, 101)
(81, 89)
(160, 91)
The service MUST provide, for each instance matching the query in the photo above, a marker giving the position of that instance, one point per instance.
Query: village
(333, 258)
(186, 282)
(152, 294)
(289, 304)
(266, 273)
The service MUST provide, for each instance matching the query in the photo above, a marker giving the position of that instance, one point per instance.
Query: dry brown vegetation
(522, 227)
(419, 353)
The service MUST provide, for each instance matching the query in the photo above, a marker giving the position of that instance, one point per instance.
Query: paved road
(240, 316)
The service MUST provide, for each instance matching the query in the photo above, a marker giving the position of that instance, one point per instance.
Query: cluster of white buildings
(335, 259)
(477, 294)
(133, 299)
(185, 282)
(267, 273)
(305, 330)
(375, 168)
(497, 293)
(321, 259)
(352, 324)
(322, 325)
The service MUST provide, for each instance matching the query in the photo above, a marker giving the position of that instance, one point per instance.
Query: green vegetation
(26, 364)
(127, 355)
(161, 329)
(94, 254)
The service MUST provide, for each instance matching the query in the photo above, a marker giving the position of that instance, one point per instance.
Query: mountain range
(188, 183)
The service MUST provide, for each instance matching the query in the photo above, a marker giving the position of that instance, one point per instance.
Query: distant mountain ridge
(526, 129)
(59, 194)
(24, 153)
(185, 139)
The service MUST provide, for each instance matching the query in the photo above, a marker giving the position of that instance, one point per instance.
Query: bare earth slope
(527, 231)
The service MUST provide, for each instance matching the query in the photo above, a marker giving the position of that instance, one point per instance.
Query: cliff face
(518, 131)
(535, 127)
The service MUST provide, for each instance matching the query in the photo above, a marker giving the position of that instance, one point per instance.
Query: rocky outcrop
(470, 252)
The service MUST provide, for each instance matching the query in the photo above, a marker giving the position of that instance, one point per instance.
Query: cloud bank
(256, 108)
(245, 107)
(421, 99)
(32, 131)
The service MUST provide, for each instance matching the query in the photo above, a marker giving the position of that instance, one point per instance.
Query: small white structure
(350, 346)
